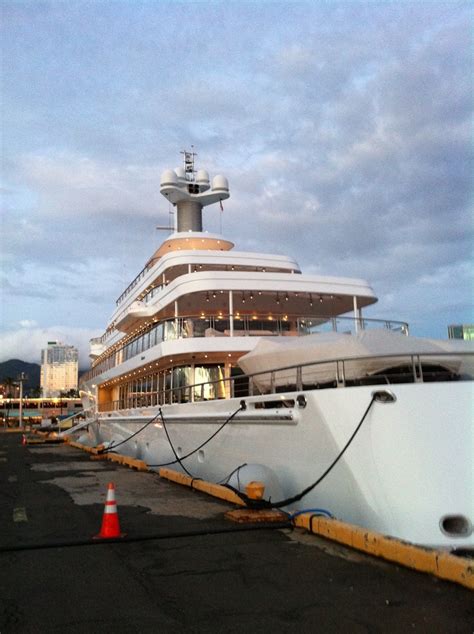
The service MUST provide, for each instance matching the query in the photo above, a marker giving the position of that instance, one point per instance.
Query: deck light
(310, 299)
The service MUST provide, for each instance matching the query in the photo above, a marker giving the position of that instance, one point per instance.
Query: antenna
(189, 163)
(171, 221)
(190, 192)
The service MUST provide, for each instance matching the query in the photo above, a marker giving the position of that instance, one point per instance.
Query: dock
(182, 566)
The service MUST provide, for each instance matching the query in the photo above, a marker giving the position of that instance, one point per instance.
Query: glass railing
(251, 325)
(239, 326)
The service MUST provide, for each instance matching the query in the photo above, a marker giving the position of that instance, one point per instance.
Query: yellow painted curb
(441, 564)
(78, 445)
(115, 457)
(72, 443)
(216, 490)
(96, 450)
(134, 463)
(128, 461)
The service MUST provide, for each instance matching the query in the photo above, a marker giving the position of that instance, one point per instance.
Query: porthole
(455, 526)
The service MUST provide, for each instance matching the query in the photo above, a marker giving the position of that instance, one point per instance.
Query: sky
(344, 129)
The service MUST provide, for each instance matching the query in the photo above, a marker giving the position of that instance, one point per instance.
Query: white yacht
(235, 366)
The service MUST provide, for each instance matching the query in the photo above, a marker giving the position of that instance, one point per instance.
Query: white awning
(382, 348)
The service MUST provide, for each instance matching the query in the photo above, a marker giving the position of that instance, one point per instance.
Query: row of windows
(59, 355)
(188, 327)
(176, 385)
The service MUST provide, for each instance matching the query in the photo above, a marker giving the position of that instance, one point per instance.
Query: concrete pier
(184, 567)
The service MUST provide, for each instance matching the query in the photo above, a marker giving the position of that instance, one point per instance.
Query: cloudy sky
(344, 129)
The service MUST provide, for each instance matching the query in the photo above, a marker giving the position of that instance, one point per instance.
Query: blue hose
(322, 512)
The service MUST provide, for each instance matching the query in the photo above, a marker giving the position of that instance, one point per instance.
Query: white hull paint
(410, 465)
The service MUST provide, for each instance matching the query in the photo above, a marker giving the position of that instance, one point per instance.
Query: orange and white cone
(23, 440)
(110, 522)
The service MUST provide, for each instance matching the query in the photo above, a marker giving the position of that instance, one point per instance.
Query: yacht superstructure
(200, 313)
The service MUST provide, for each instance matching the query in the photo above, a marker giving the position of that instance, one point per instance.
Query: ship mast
(188, 158)
(189, 191)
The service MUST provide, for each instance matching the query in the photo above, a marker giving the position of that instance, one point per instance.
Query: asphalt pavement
(184, 567)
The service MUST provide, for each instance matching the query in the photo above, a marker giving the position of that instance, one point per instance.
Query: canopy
(272, 353)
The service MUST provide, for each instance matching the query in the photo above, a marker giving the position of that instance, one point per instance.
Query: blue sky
(344, 129)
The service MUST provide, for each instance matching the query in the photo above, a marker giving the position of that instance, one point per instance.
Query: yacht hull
(408, 473)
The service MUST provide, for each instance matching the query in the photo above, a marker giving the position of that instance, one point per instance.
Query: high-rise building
(59, 369)
(461, 331)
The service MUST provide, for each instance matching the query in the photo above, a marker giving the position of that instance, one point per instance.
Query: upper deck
(198, 273)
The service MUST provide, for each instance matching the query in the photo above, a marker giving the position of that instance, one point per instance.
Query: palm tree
(9, 384)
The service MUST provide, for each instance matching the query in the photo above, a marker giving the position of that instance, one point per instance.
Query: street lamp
(22, 377)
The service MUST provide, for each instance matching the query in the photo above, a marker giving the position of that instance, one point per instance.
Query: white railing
(402, 368)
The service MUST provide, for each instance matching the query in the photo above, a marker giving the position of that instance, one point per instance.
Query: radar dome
(220, 183)
(202, 177)
(180, 173)
(168, 178)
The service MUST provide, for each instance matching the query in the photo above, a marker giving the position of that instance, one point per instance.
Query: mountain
(14, 367)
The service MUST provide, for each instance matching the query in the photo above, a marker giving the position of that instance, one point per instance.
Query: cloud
(28, 323)
(26, 343)
(70, 184)
(73, 293)
(344, 130)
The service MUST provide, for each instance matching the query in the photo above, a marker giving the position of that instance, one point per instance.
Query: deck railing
(251, 325)
(137, 279)
(243, 325)
(334, 373)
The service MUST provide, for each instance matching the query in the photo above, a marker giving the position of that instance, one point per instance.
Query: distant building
(462, 331)
(59, 369)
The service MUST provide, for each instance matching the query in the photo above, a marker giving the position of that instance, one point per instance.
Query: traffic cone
(110, 528)
(23, 440)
